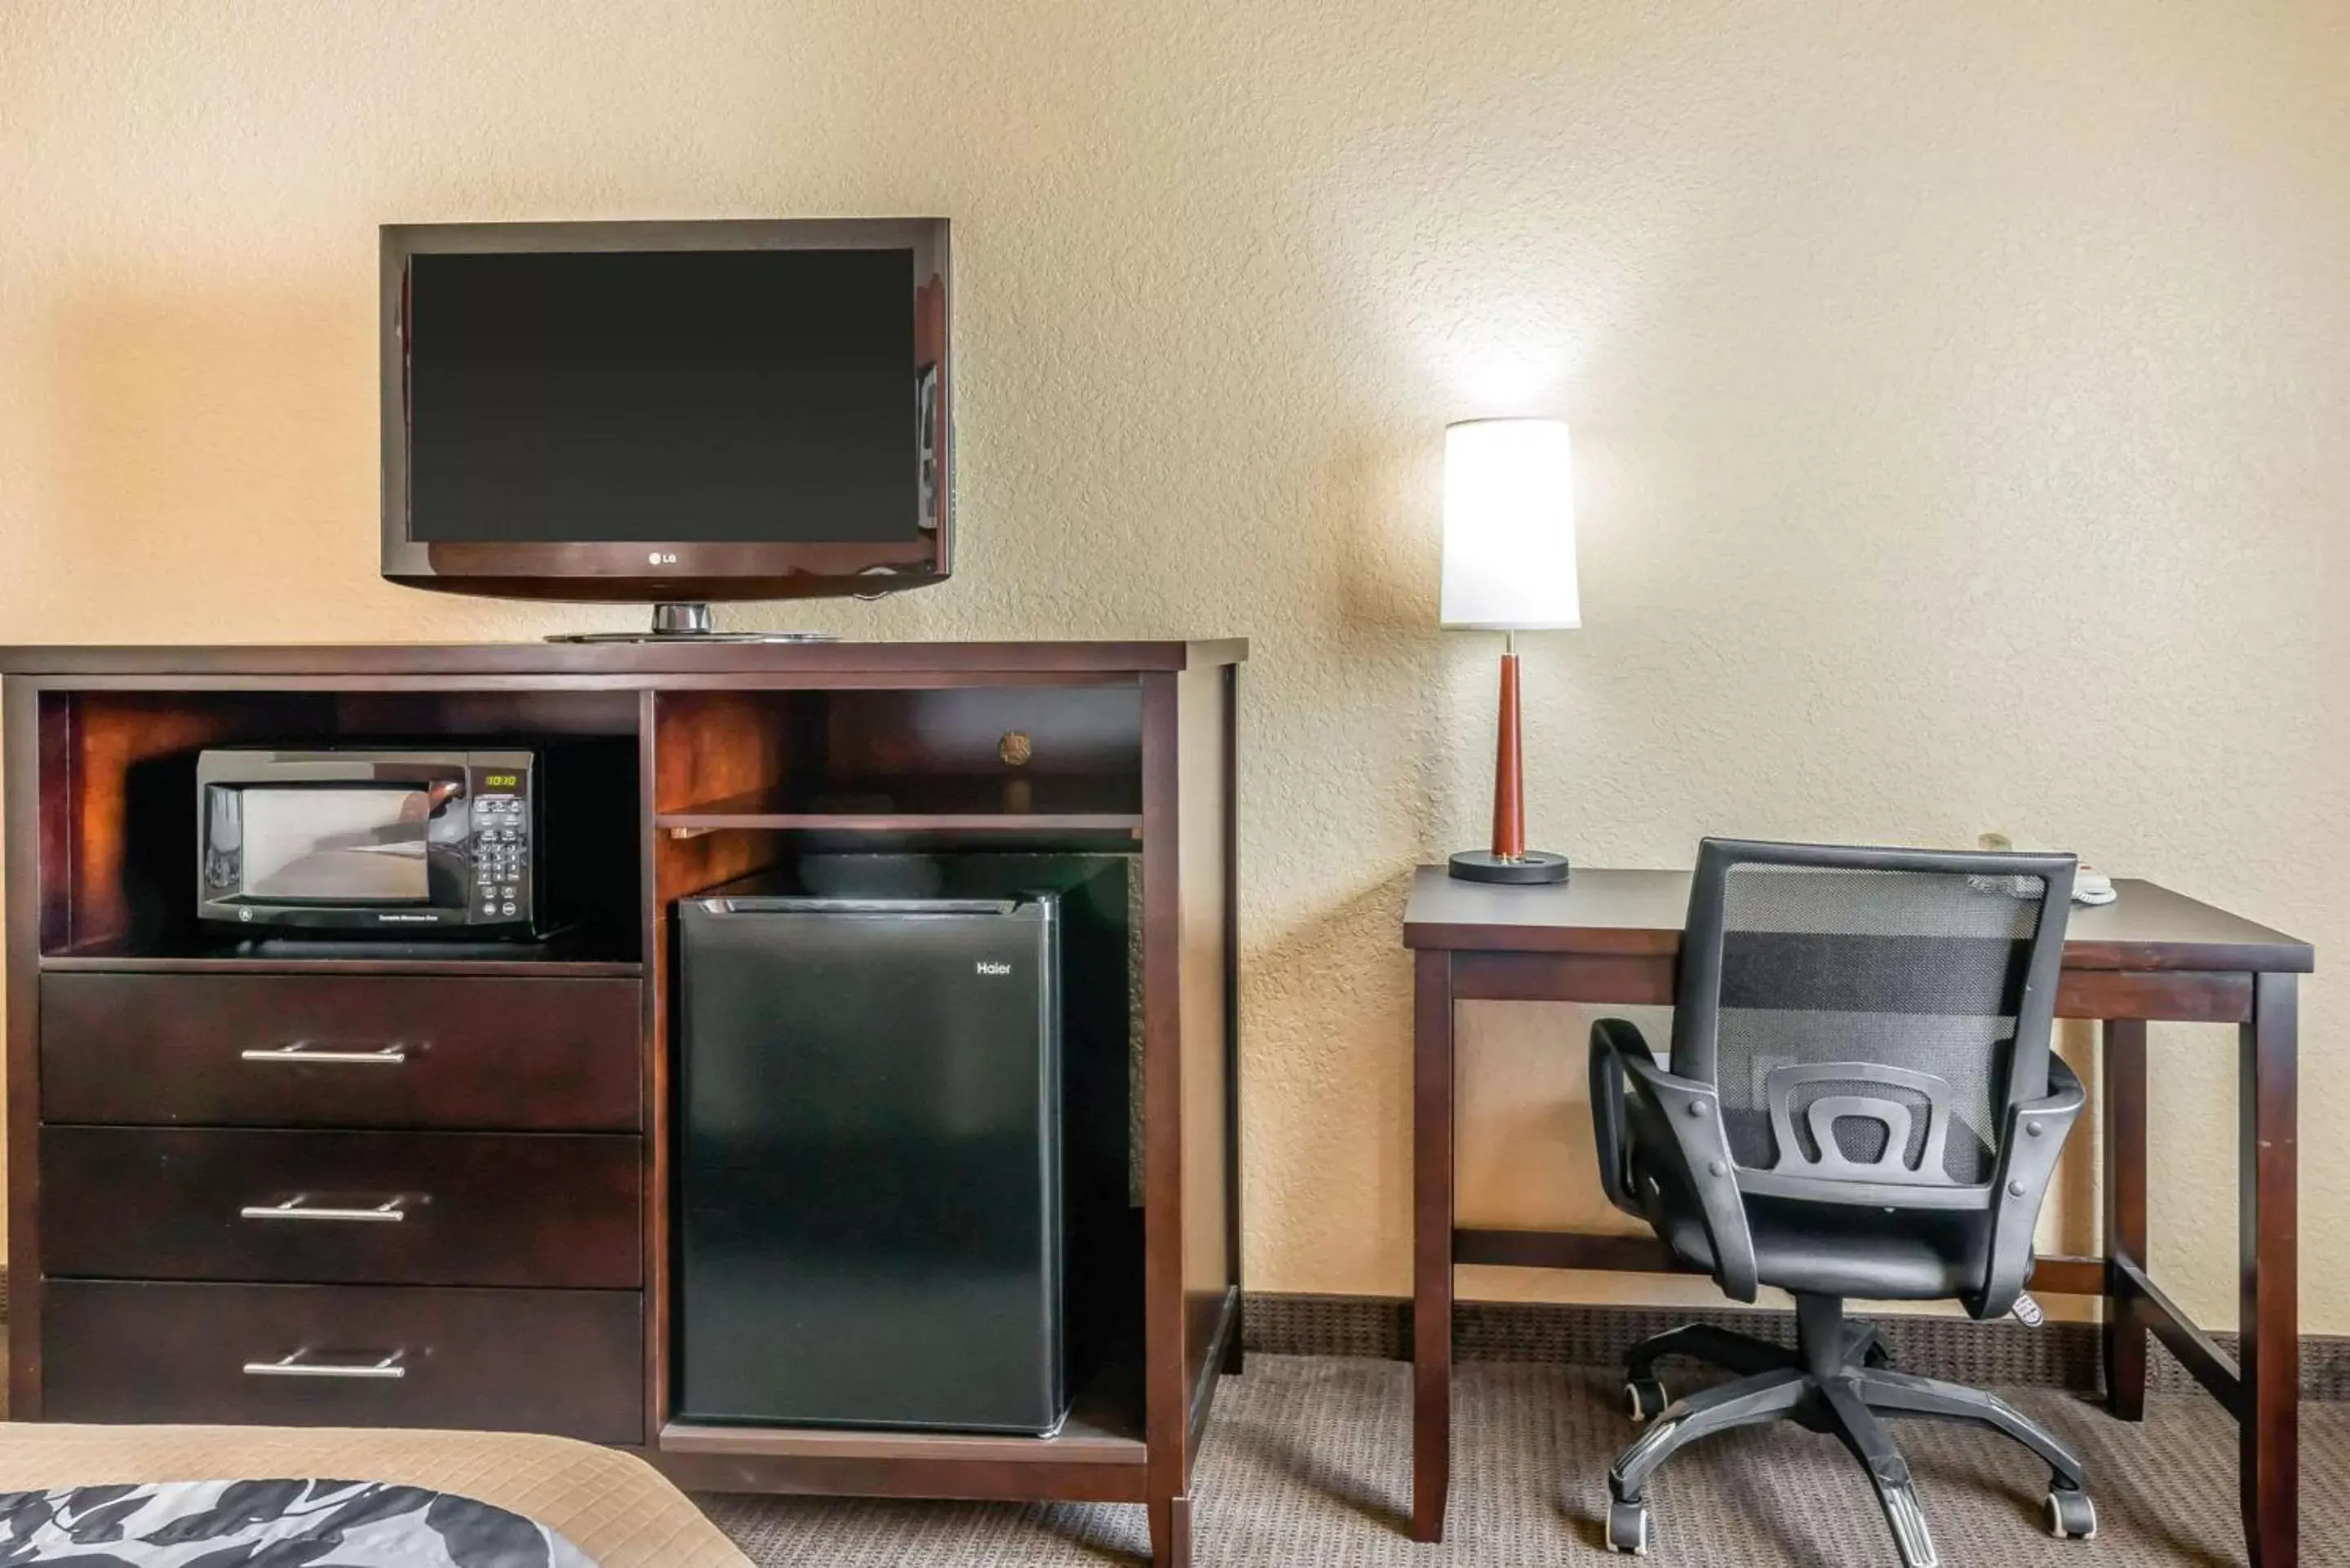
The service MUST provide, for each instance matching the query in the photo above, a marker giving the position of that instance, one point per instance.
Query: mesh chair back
(1867, 1016)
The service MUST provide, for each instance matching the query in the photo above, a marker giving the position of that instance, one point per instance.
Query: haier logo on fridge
(989, 966)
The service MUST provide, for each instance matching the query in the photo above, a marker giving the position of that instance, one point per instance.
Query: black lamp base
(1535, 868)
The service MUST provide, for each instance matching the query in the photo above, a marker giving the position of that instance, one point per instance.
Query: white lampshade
(1509, 527)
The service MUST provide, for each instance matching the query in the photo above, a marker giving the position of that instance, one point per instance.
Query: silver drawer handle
(298, 1364)
(390, 1211)
(303, 1053)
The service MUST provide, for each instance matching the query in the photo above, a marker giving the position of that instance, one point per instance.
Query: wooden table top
(1639, 914)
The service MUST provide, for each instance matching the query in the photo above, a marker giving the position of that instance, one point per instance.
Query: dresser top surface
(67, 661)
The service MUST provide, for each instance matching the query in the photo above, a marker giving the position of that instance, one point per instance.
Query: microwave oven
(392, 841)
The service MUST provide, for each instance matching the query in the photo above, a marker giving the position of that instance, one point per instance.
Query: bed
(158, 1497)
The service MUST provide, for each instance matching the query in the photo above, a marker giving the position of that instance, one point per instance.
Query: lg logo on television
(661, 558)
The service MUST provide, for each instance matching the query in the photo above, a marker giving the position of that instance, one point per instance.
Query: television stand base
(689, 623)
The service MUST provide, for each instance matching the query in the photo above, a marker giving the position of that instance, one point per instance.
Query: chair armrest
(1678, 1121)
(1615, 1044)
(2033, 1137)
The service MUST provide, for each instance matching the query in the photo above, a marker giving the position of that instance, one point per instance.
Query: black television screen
(702, 395)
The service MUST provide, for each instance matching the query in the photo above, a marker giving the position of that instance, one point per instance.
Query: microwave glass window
(340, 846)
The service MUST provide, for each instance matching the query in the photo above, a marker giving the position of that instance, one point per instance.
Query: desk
(1612, 937)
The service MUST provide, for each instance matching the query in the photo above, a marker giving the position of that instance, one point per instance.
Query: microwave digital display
(318, 844)
(391, 839)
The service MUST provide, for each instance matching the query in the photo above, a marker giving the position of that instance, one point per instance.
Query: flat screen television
(667, 412)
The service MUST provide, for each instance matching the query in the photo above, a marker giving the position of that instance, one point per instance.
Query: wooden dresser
(408, 1184)
(414, 1200)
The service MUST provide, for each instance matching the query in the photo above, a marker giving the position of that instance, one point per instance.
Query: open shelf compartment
(119, 817)
(970, 759)
(781, 782)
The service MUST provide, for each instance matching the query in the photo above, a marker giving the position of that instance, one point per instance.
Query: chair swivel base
(1837, 1382)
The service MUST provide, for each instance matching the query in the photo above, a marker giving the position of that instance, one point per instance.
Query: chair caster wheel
(1645, 1398)
(1628, 1528)
(2069, 1515)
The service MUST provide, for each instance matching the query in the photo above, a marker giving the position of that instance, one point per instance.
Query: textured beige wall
(1959, 390)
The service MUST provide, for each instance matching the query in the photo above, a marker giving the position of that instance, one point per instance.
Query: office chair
(1861, 1102)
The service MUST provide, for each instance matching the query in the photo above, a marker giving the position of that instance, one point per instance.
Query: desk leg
(2268, 1326)
(2125, 1119)
(1431, 1248)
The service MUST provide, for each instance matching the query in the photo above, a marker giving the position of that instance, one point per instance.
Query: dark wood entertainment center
(510, 1109)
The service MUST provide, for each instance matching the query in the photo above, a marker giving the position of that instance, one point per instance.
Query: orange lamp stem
(1509, 860)
(1509, 772)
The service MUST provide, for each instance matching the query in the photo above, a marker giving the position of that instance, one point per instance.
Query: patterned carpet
(1308, 1463)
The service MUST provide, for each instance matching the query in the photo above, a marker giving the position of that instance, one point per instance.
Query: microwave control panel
(502, 846)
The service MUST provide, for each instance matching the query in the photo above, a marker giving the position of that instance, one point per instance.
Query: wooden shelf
(559, 958)
(984, 805)
(1103, 1429)
(1075, 1443)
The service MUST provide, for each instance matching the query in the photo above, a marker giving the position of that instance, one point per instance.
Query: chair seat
(1819, 1249)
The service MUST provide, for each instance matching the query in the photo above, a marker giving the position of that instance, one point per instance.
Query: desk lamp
(1509, 567)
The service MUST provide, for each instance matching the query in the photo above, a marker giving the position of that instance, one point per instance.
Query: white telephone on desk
(2090, 886)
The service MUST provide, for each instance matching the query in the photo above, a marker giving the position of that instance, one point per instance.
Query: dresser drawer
(567, 1362)
(358, 1208)
(361, 1050)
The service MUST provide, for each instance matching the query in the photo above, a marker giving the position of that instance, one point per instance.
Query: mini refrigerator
(903, 1141)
